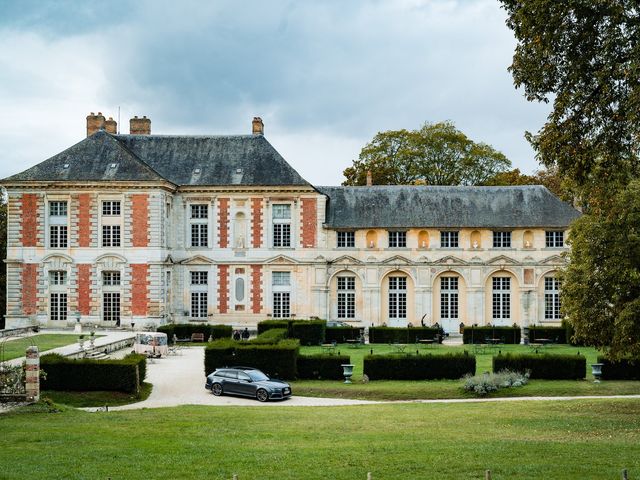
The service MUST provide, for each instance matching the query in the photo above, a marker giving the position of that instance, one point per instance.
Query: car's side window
(243, 376)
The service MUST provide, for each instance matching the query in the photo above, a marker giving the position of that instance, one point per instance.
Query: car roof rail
(243, 368)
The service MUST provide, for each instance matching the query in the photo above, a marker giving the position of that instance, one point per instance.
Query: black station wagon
(248, 382)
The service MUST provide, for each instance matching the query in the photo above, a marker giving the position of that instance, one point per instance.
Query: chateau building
(140, 228)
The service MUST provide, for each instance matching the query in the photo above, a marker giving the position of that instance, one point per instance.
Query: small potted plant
(81, 341)
(92, 338)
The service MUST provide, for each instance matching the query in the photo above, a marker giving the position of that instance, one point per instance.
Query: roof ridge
(137, 158)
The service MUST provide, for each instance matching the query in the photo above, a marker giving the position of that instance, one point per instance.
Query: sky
(325, 76)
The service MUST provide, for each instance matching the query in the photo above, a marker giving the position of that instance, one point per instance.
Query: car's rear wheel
(216, 389)
(262, 395)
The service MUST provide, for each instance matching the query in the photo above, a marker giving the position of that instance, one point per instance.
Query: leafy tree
(548, 178)
(435, 154)
(601, 285)
(584, 56)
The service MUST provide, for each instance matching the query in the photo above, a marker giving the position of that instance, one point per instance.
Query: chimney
(111, 126)
(369, 178)
(94, 123)
(257, 126)
(140, 126)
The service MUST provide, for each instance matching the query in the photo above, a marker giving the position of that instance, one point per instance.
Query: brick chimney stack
(140, 126)
(94, 123)
(257, 126)
(369, 178)
(111, 126)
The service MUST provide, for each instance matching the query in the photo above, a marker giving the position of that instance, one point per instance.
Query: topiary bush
(321, 367)
(419, 367)
(309, 332)
(625, 369)
(124, 375)
(270, 336)
(545, 366)
(402, 335)
(185, 330)
(276, 360)
(270, 324)
(341, 334)
(555, 334)
(510, 335)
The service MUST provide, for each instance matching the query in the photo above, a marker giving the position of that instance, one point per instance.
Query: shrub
(401, 335)
(321, 367)
(482, 334)
(341, 334)
(276, 360)
(271, 336)
(625, 369)
(125, 375)
(555, 334)
(546, 366)
(185, 330)
(487, 383)
(419, 367)
(309, 332)
(270, 324)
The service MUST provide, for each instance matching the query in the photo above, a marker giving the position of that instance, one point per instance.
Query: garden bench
(197, 337)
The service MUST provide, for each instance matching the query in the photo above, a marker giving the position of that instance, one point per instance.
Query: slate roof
(443, 206)
(221, 160)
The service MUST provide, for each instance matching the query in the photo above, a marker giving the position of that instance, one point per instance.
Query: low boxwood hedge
(624, 369)
(271, 336)
(555, 334)
(509, 335)
(185, 330)
(544, 366)
(321, 367)
(270, 324)
(124, 375)
(341, 334)
(276, 360)
(419, 367)
(401, 335)
(309, 332)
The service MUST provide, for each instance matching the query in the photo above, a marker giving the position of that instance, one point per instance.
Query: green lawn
(97, 399)
(533, 440)
(16, 348)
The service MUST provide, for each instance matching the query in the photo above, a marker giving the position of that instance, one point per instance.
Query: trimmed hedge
(509, 335)
(625, 369)
(309, 332)
(419, 367)
(401, 335)
(185, 330)
(545, 366)
(271, 336)
(125, 375)
(276, 360)
(341, 334)
(555, 334)
(321, 367)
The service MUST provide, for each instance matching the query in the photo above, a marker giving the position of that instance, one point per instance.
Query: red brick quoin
(256, 222)
(139, 289)
(309, 222)
(223, 288)
(223, 222)
(29, 221)
(84, 220)
(256, 288)
(29, 288)
(84, 288)
(140, 217)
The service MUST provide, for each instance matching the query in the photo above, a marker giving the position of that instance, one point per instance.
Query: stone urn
(347, 371)
(596, 370)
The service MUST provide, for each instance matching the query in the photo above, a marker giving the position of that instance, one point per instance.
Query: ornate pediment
(502, 260)
(529, 260)
(111, 261)
(197, 260)
(169, 260)
(397, 260)
(424, 259)
(345, 260)
(476, 260)
(57, 260)
(450, 260)
(553, 260)
(281, 260)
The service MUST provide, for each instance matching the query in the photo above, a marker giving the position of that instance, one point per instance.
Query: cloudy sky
(325, 76)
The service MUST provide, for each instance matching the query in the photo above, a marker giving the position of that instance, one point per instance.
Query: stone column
(32, 374)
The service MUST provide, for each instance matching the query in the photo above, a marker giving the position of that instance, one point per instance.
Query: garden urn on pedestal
(596, 370)
(347, 371)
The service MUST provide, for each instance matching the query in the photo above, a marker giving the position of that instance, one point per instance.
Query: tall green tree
(435, 154)
(548, 178)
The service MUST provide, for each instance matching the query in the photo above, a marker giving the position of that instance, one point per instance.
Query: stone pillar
(32, 374)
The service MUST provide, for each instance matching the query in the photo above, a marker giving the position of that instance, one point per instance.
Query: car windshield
(257, 376)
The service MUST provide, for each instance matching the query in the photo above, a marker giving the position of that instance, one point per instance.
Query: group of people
(241, 335)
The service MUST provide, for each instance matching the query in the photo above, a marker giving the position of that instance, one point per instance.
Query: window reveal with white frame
(58, 224)
(281, 293)
(199, 294)
(281, 220)
(397, 298)
(448, 298)
(111, 296)
(501, 295)
(346, 239)
(199, 225)
(554, 238)
(111, 223)
(552, 298)
(449, 239)
(346, 297)
(397, 239)
(501, 239)
(58, 295)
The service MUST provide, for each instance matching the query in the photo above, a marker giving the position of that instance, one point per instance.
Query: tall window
(397, 297)
(111, 208)
(58, 277)
(111, 307)
(281, 286)
(554, 238)
(110, 279)
(281, 225)
(397, 239)
(501, 239)
(346, 297)
(501, 298)
(199, 223)
(110, 235)
(199, 294)
(448, 298)
(346, 239)
(551, 298)
(58, 306)
(448, 239)
(58, 233)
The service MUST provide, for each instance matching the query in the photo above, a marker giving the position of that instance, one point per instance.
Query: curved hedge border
(342, 334)
(419, 367)
(185, 330)
(125, 375)
(321, 367)
(401, 335)
(510, 335)
(545, 366)
(309, 332)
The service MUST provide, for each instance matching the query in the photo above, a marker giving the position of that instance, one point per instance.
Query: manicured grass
(533, 440)
(46, 341)
(97, 399)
